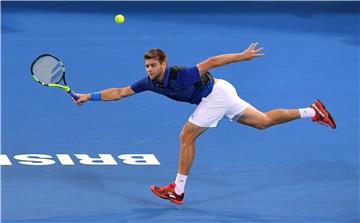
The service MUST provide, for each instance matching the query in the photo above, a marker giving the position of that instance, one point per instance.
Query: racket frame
(62, 67)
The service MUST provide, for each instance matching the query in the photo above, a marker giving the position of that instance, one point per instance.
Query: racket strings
(48, 70)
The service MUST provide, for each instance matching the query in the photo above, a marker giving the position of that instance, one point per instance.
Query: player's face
(155, 69)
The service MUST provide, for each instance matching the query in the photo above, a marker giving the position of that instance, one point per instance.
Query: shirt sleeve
(140, 86)
(188, 76)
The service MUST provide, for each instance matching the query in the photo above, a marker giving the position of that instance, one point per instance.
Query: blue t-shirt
(180, 84)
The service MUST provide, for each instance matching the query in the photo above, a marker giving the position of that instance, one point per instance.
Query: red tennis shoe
(322, 115)
(168, 192)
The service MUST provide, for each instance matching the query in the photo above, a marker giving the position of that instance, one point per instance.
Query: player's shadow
(7, 29)
(186, 214)
(159, 214)
(262, 179)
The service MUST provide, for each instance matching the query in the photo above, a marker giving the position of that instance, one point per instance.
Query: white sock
(307, 112)
(180, 183)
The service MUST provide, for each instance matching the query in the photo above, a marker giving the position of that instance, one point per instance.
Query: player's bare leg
(262, 120)
(188, 135)
(175, 191)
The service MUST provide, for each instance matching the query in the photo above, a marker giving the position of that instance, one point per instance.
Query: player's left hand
(252, 52)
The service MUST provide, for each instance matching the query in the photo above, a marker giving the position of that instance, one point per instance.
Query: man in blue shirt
(215, 98)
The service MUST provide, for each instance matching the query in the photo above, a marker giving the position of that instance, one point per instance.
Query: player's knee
(186, 137)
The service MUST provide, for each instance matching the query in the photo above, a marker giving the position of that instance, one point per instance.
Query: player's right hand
(82, 99)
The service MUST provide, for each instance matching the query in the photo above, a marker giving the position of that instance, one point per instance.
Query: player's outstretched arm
(224, 59)
(110, 94)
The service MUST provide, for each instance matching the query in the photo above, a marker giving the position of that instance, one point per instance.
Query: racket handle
(73, 95)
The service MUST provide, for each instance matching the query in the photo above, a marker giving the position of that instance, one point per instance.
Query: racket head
(47, 69)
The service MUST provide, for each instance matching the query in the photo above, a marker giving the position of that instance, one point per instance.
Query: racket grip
(73, 95)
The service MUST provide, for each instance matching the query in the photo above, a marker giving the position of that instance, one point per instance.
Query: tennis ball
(119, 18)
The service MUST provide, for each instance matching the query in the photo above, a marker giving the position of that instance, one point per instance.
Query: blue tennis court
(296, 172)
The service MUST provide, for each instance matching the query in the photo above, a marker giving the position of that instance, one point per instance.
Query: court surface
(296, 172)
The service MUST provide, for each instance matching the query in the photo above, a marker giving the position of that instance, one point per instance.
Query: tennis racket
(49, 71)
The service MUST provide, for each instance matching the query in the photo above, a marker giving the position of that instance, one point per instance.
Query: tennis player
(215, 98)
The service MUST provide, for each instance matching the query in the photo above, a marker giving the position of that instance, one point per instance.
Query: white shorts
(222, 101)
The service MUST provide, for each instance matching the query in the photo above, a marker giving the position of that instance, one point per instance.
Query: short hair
(155, 53)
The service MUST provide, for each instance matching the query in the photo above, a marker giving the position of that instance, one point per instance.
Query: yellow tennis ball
(119, 18)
